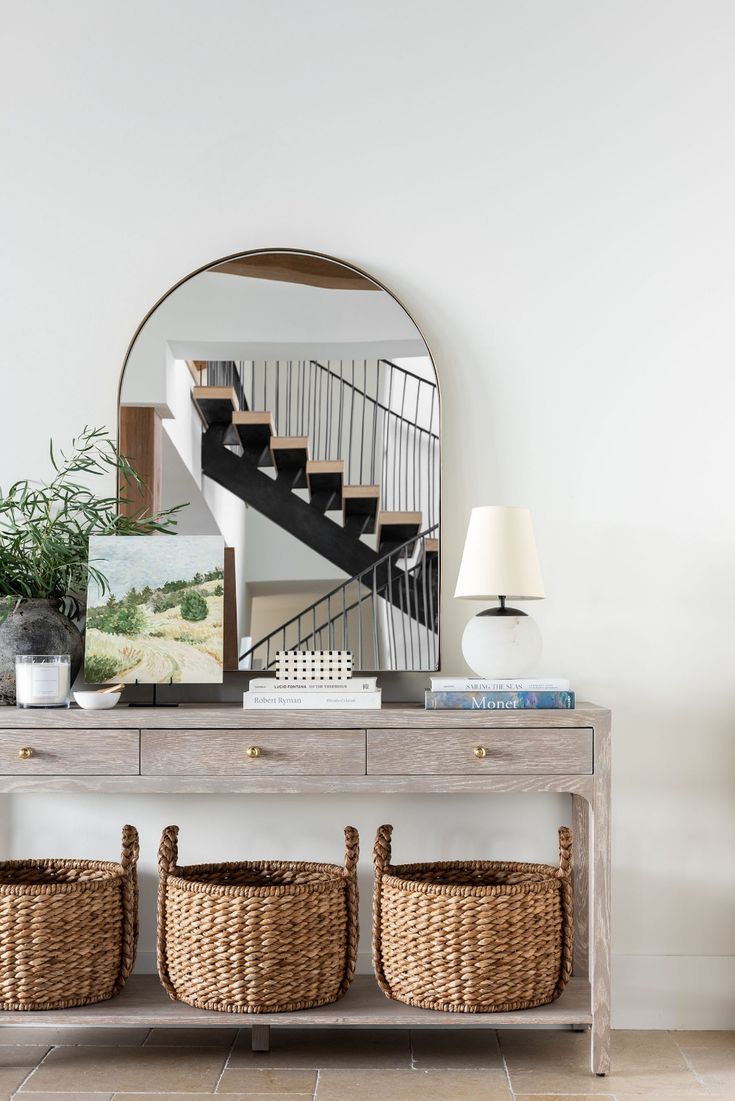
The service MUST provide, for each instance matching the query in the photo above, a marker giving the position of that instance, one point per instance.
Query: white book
(312, 701)
(501, 684)
(355, 684)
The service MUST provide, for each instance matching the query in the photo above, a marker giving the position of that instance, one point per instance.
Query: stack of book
(510, 693)
(354, 694)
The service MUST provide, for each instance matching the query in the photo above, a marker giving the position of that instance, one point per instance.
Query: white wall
(549, 188)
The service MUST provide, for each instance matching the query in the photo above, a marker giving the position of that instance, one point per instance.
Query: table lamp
(500, 563)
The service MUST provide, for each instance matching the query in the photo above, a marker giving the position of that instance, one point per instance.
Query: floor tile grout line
(316, 1085)
(32, 1071)
(227, 1059)
(690, 1065)
(505, 1065)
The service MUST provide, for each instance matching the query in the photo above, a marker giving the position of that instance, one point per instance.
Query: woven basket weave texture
(474, 936)
(68, 929)
(255, 937)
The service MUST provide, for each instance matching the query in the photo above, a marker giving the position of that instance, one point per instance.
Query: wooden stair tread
(360, 506)
(357, 493)
(325, 478)
(254, 431)
(325, 474)
(397, 527)
(431, 546)
(215, 404)
(290, 456)
(247, 418)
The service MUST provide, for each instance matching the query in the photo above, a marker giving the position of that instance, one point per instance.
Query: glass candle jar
(42, 680)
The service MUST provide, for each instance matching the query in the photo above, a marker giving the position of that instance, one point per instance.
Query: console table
(401, 748)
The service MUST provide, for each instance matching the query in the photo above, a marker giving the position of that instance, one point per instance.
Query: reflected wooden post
(140, 442)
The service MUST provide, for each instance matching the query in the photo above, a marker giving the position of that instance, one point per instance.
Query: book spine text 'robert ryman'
(354, 684)
(312, 701)
(498, 701)
(503, 684)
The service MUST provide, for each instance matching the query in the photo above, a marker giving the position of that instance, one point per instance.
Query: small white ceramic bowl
(96, 701)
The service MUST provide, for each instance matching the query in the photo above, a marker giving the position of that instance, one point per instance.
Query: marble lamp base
(501, 642)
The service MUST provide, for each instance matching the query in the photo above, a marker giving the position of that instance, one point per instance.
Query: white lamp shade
(500, 556)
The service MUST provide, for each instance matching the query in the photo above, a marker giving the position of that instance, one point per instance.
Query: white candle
(42, 680)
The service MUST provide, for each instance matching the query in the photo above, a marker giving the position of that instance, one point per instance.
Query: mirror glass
(291, 400)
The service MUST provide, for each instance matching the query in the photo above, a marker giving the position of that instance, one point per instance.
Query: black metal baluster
(375, 423)
(407, 589)
(431, 612)
(341, 403)
(359, 625)
(362, 428)
(416, 454)
(386, 432)
(352, 417)
(376, 648)
(424, 605)
(430, 459)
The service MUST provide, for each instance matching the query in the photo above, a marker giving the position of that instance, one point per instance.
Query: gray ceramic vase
(36, 627)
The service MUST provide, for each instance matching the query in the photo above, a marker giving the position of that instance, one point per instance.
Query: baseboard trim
(676, 992)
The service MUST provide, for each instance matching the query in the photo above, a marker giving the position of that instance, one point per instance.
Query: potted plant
(44, 533)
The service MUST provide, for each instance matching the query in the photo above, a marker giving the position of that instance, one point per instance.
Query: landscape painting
(160, 620)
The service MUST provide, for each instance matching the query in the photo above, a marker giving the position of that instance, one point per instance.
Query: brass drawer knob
(253, 751)
(25, 753)
(480, 751)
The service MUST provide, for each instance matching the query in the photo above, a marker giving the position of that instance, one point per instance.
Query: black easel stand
(155, 701)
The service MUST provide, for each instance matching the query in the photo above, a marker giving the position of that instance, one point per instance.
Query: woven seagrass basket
(68, 929)
(474, 936)
(257, 937)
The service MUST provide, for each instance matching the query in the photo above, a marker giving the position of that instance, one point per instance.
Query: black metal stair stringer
(275, 500)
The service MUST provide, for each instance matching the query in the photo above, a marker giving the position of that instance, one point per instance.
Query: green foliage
(194, 607)
(98, 668)
(45, 527)
(163, 603)
(117, 619)
(218, 590)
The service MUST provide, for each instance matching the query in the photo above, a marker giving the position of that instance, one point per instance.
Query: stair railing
(222, 372)
(387, 615)
(377, 416)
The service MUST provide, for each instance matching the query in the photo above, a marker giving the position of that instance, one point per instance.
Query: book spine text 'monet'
(498, 701)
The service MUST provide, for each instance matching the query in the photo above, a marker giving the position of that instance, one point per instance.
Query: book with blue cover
(498, 701)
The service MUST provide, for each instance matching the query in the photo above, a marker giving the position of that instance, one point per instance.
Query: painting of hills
(159, 621)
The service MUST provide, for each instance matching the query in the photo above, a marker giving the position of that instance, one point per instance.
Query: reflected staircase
(387, 611)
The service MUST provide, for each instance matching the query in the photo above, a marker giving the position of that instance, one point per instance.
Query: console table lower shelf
(146, 1004)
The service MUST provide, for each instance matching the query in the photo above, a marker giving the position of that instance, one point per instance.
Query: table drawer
(69, 752)
(464, 752)
(253, 752)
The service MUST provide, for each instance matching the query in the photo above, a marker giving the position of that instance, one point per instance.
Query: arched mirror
(292, 401)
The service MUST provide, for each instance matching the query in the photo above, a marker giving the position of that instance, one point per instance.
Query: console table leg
(580, 883)
(260, 1038)
(601, 906)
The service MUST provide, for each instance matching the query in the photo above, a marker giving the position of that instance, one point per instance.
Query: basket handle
(567, 908)
(381, 860)
(565, 852)
(382, 849)
(168, 855)
(352, 849)
(168, 851)
(129, 863)
(130, 849)
(352, 855)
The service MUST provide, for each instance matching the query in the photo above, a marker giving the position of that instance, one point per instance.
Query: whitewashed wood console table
(398, 749)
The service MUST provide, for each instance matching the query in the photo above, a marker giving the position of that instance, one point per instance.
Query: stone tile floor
(43, 1064)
